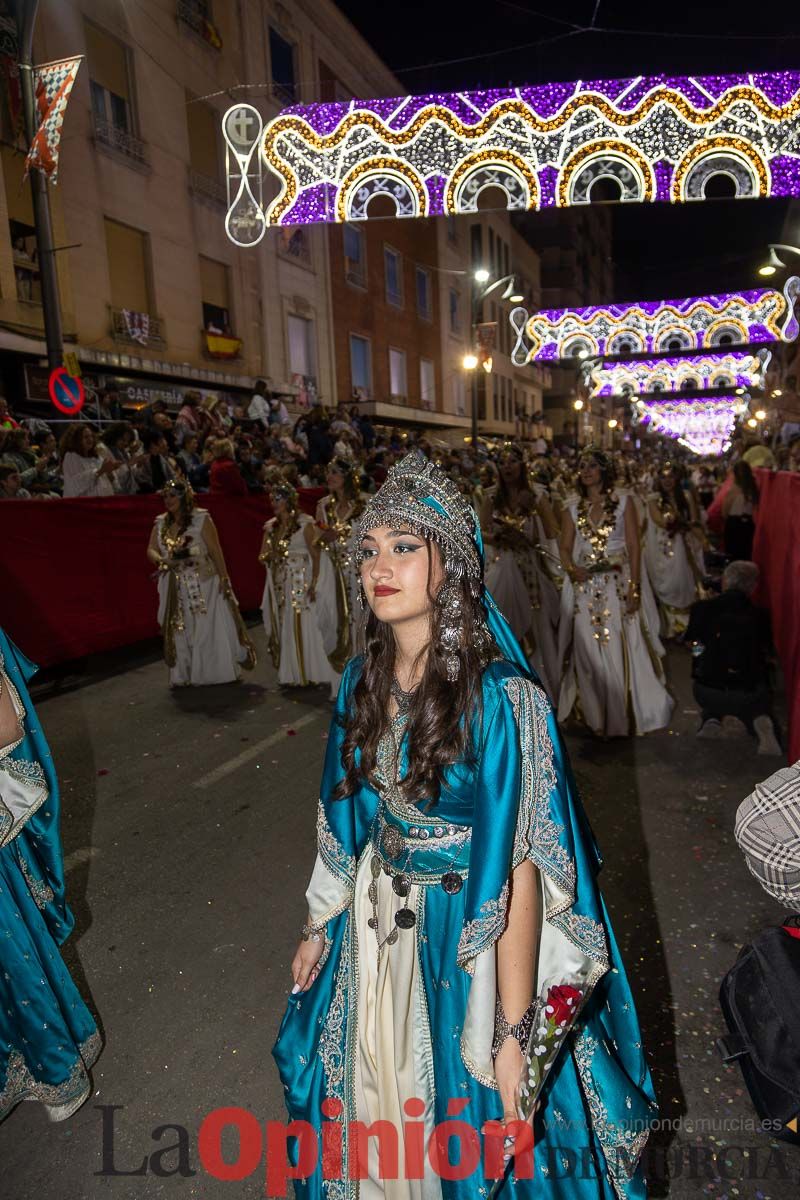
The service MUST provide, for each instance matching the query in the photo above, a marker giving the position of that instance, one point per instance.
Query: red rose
(562, 1003)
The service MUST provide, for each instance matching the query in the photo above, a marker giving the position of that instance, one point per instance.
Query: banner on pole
(52, 86)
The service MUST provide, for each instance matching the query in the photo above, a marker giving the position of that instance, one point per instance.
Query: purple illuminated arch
(670, 375)
(758, 316)
(658, 138)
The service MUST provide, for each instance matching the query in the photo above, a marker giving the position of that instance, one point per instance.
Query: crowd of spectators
(219, 447)
(236, 448)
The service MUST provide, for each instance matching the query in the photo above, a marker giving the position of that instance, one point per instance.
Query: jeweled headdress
(181, 488)
(349, 470)
(285, 491)
(418, 495)
(595, 454)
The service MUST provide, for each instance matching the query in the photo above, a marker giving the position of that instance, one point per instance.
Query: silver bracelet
(310, 934)
(521, 1031)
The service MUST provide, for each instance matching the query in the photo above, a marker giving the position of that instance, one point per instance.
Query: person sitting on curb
(731, 644)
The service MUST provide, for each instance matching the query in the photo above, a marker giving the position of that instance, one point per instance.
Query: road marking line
(253, 751)
(79, 857)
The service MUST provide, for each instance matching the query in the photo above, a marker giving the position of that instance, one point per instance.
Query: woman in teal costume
(48, 1038)
(434, 926)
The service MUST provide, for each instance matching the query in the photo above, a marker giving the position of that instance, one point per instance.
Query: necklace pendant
(452, 883)
(404, 918)
(401, 885)
(372, 922)
(392, 841)
(372, 892)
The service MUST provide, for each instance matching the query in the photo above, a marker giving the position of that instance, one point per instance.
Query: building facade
(156, 299)
(574, 247)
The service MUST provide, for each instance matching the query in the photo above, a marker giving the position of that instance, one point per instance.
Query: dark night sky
(660, 250)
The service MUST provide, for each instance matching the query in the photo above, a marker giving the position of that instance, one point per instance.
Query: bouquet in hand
(554, 1017)
(556, 1010)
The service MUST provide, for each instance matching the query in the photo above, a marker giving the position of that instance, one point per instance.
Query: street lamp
(577, 404)
(612, 424)
(760, 415)
(485, 288)
(774, 263)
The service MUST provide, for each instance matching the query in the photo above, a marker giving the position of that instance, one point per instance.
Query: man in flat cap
(768, 832)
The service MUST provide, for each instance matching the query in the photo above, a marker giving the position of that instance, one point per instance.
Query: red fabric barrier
(776, 549)
(76, 580)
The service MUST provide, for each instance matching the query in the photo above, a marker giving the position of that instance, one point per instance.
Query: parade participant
(673, 552)
(739, 506)
(294, 561)
(514, 513)
(455, 881)
(339, 605)
(205, 640)
(48, 1037)
(612, 676)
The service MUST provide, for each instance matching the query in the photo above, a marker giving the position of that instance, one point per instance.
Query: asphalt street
(188, 829)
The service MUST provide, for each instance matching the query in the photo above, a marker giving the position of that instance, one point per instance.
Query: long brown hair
(440, 717)
(503, 495)
(186, 496)
(744, 477)
(71, 441)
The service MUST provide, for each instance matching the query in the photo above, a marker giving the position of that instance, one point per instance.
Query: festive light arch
(694, 372)
(757, 316)
(661, 138)
(704, 426)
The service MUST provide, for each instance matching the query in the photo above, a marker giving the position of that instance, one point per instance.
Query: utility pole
(25, 12)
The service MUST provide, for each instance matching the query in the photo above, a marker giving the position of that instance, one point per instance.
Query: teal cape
(517, 800)
(48, 1037)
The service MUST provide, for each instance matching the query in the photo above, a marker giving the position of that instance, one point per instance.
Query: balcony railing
(137, 328)
(207, 188)
(116, 138)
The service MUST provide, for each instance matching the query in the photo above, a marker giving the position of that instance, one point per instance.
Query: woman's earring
(362, 599)
(452, 622)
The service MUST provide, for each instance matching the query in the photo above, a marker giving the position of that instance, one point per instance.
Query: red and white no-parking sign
(67, 393)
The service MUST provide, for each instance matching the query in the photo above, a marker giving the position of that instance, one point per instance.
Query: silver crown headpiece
(420, 497)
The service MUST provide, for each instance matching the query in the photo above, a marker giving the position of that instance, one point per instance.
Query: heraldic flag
(52, 86)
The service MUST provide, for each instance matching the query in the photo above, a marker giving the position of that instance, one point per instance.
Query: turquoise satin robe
(517, 800)
(48, 1037)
